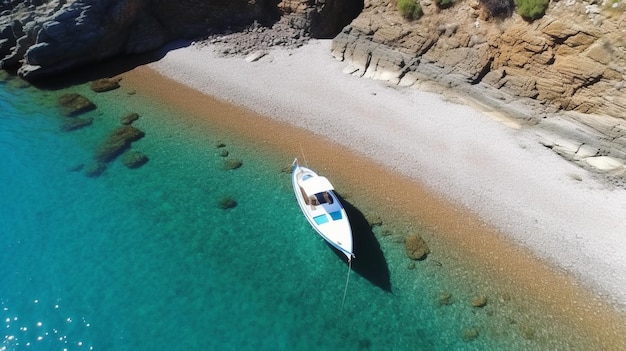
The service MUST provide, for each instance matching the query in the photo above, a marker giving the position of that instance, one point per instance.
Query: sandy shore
(458, 170)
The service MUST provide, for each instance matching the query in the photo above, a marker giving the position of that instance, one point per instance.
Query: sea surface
(146, 259)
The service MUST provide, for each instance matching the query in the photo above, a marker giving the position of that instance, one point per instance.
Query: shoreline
(290, 126)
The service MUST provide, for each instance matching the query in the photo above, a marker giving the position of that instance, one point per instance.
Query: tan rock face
(571, 59)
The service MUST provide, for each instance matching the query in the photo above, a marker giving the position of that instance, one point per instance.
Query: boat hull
(323, 211)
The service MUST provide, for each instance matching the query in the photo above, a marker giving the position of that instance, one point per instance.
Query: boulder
(479, 301)
(445, 299)
(226, 202)
(117, 142)
(470, 334)
(70, 124)
(105, 84)
(232, 163)
(134, 159)
(74, 104)
(416, 248)
(95, 169)
(129, 118)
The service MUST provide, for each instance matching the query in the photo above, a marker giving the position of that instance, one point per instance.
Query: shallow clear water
(145, 259)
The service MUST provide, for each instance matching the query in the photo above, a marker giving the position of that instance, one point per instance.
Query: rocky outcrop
(134, 159)
(42, 38)
(571, 63)
(117, 142)
(74, 104)
(568, 60)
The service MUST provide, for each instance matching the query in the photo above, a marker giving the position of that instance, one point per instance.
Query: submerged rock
(479, 301)
(94, 170)
(129, 118)
(105, 84)
(70, 124)
(416, 248)
(445, 299)
(232, 163)
(470, 334)
(134, 159)
(226, 202)
(117, 142)
(74, 104)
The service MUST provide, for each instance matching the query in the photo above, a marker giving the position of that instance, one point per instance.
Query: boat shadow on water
(370, 261)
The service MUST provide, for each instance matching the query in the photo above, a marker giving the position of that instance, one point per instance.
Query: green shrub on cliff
(532, 9)
(410, 9)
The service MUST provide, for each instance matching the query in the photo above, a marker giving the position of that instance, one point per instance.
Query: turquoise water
(145, 259)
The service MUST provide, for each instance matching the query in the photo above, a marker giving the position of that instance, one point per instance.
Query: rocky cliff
(43, 38)
(573, 59)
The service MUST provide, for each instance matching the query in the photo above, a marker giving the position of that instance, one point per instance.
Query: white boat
(322, 208)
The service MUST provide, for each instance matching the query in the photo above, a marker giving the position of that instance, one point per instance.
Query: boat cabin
(315, 190)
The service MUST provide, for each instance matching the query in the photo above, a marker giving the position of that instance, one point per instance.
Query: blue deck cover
(321, 219)
(335, 215)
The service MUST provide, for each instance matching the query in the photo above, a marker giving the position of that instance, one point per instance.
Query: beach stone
(479, 301)
(129, 118)
(445, 299)
(117, 142)
(226, 202)
(470, 334)
(70, 124)
(105, 84)
(527, 332)
(255, 56)
(134, 159)
(74, 104)
(95, 169)
(232, 163)
(416, 248)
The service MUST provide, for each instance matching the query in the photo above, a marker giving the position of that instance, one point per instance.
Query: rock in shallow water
(105, 84)
(70, 124)
(117, 142)
(226, 202)
(129, 118)
(74, 104)
(134, 159)
(416, 248)
(95, 169)
(232, 163)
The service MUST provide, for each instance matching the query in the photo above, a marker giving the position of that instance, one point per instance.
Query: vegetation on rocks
(532, 9)
(411, 9)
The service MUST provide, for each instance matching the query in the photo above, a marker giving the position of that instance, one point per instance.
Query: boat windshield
(315, 185)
